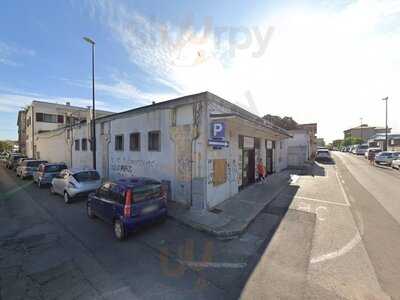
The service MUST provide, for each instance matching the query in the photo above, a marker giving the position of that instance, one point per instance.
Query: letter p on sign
(218, 130)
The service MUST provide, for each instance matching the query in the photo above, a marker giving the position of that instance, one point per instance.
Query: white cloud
(121, 89)
(330, 65)
(9, 53)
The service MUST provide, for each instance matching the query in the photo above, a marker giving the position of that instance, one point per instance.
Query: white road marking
(205, 264)
(346, 248)
(323, 201)
(342, 189)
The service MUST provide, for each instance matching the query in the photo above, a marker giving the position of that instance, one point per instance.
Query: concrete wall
(298, 148)
(53, 147)
(233, 154)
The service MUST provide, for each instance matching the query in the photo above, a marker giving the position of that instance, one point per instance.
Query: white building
(205, 147)
(41, 117)
(298, 147)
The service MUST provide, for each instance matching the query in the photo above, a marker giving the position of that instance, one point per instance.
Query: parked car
(12, 160)
(128, 203)
(323, 155)
(28, 167)
(20, 161)
(386, 157)
(371, 152)
(75, 183)
(361, 149)
(46, 172)
(396, 163)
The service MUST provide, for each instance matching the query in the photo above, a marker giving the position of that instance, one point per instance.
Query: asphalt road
(168, 261)
(374, 193)
(334, 233)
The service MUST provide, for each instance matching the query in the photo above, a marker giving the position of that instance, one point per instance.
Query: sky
(329, 62)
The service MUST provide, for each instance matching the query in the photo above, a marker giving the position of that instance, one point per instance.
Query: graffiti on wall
(124, 167)
(210, 176)
(232, 171)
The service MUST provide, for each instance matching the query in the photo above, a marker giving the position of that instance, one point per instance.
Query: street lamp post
(386, 128)
(361, 129)
(90, 41)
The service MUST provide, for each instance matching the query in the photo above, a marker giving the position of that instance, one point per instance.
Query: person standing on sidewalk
(261, 170)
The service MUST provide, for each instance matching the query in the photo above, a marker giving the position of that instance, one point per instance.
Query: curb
(220, 232)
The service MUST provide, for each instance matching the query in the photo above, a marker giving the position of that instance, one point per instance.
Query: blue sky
(282, 57)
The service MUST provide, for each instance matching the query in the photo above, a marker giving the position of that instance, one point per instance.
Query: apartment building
(364, 132)
(41, 117)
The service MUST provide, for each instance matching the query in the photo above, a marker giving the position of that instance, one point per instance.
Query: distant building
(312, 132)
(364, 132)
(379, 141)
(41, 117)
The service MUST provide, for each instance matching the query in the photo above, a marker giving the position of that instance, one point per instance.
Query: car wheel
(119, 230)
(67, 198)
(90, 211)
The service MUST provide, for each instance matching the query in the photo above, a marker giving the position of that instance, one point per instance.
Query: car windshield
(54, 168)
(86, 176)
(33, 164)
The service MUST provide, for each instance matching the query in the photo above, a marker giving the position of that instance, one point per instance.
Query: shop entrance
(269, 160)
(248, 167)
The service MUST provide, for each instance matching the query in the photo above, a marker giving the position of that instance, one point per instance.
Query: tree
(337, 143)
(352, 141)
(5, 146)
(286, 122)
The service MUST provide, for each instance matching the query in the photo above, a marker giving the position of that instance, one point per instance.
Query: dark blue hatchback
(128, 203)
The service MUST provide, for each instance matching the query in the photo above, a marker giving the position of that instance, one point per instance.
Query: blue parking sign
(217, 130)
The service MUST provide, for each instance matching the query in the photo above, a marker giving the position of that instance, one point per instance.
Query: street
(337, 236)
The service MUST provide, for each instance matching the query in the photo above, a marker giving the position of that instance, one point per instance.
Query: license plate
(149, 209)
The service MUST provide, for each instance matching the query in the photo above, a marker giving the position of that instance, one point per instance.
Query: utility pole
(386, 129)
(93, 140)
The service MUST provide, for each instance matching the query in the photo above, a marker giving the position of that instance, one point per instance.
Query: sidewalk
(237, 212)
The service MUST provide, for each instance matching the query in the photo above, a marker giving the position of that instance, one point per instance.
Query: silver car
(386, 157)
(396, 163)
(75, 183)
(28, 167)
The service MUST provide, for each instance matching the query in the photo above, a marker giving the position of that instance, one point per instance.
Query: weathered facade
(364, 132)
(205, 147)
(41, 117)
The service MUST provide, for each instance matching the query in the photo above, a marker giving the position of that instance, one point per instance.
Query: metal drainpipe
(191, 154)
(33, 133)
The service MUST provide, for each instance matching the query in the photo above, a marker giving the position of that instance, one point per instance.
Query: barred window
(134, 141)
(77, 145)
(154, 141)
(119, 142)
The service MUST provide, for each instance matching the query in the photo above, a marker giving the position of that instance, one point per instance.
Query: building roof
(366, 127)
(188, 99)
(197, 98)
(69, 106)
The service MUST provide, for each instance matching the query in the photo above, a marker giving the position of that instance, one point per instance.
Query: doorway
(248, 170)
(269, 160)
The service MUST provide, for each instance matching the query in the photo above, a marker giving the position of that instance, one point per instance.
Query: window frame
(77, 145)
(150, 144)
(122, 142)
(138, 148)
(84, 143)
